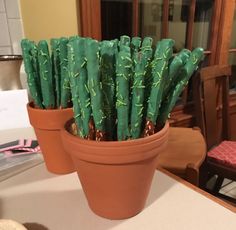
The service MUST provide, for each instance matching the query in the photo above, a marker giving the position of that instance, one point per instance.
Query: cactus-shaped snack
(163, 53)
(135, 46)
(56, 68)
(46, 78)
(33, 78)
(78, 45)
(123, 74)
(74, 86)
(174, 67)
(94, 85)
(186, 72)
(143, 60)
(147, 50)
(124, 43)
(65, 86)
(108, 74)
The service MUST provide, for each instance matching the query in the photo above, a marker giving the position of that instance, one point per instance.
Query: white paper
(13, 112)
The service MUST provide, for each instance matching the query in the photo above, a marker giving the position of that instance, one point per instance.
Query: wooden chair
(213, 118)
(185, 152)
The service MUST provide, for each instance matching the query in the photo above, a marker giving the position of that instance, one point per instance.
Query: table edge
(197, 189)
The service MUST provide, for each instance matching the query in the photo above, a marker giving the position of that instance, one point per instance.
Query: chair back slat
(210, 77)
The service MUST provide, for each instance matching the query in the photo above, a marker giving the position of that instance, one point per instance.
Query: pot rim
(10, 57)
(137, 141)
(48, 119)
(31, 106)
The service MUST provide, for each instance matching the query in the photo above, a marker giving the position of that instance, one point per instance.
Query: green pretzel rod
(65, 87)
(138, 97)
(124, 43)
(186, 72)
(138, 91)
(78, 45)
(123, 74)
(108, 74)
(174, 67)
(135, 46)
(46, 78)
(163, 53)
(147, 50)
(34, 55)
(94, 85)
(56, 68)
(74, 86)
(31, 71)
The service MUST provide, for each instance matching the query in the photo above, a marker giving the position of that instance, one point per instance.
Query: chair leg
(218, 184)
(203, 175)
(192, 174)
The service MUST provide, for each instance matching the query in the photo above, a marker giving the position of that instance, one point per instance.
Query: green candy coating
(109, 51)
(46, 77)
(65, 85)
(186, 72)
(56, 68)
(74, 86)
(29, 52)
(94, 84)
(163, 53)
(123, 75)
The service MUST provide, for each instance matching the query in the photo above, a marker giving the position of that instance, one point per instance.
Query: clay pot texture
(47, 125)
(115, 175)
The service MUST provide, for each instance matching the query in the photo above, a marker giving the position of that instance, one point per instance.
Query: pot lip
(10, 57)
(30, 105)
(138, 141)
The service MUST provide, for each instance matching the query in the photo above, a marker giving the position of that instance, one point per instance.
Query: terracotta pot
(115, 175)
(47, 125)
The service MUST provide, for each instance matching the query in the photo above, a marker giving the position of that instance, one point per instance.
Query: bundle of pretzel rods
(120, 89)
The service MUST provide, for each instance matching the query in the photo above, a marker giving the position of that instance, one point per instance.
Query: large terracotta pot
(115, 175)
(47, 125)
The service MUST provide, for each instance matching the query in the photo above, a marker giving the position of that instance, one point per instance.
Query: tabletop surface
(58, 202)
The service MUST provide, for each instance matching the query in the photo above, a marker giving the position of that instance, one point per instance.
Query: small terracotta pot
(47, 125)
(115, 175)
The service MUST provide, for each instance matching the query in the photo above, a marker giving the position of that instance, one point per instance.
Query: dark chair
(213, 118)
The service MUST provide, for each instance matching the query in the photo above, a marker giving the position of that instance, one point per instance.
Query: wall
(11, 31)
(45, 19)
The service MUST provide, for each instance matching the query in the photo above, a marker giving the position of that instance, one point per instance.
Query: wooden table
(58, 203)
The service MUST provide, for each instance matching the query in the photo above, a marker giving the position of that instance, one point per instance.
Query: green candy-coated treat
(74, 85)
(94, 84)
(65, 86)
(146, 49)
(186, 72)
(138, 97)
(163, 53)
(124, 43)
(123, 74)
(46, 78)
(138, 89)
(174, 67)
(108, 74)
(84, 95)
(56, 68)
(31, 69)
(135, 46)
(34, 55)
